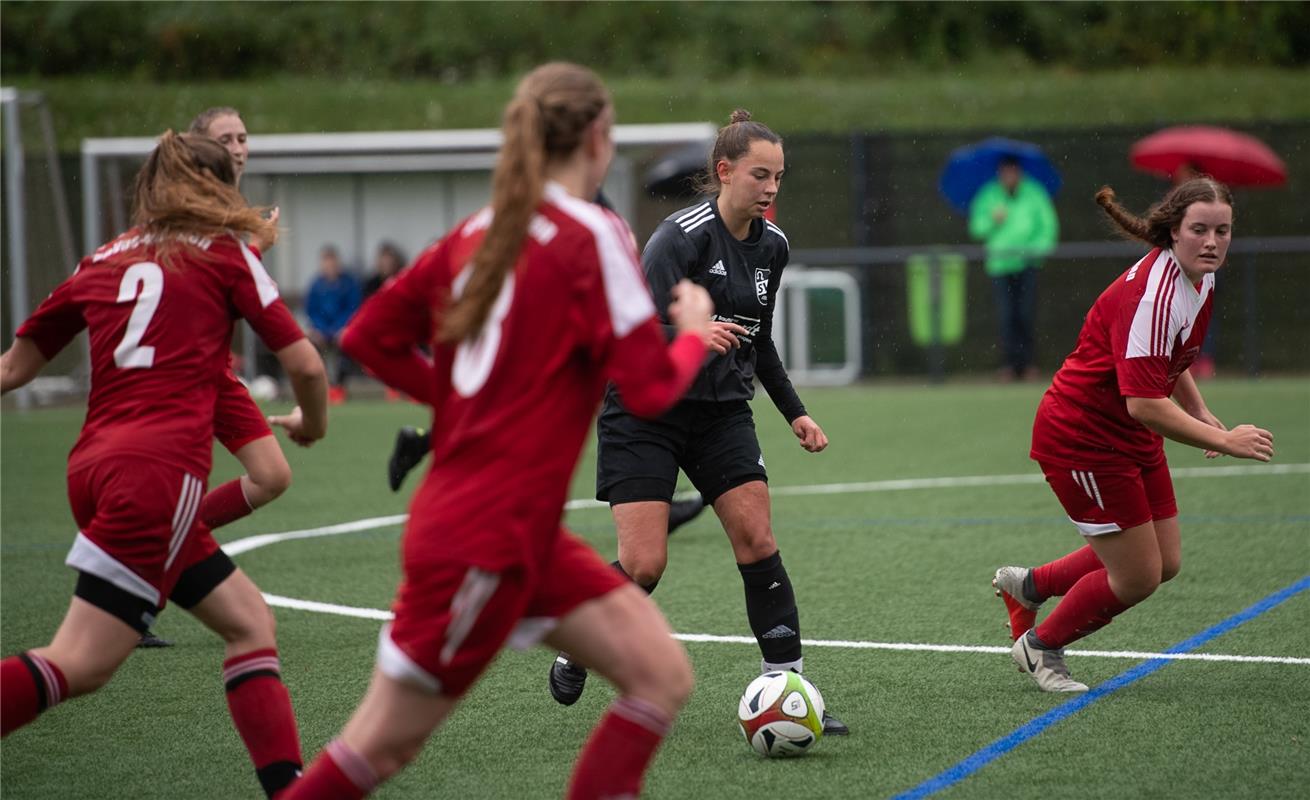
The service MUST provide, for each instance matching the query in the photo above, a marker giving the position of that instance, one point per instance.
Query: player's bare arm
(20, 364)
(304, 367)
(1162, 416)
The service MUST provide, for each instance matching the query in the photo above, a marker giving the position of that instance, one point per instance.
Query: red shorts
(237, 420)
(452, 618)
(1105, 500)
(138, 525)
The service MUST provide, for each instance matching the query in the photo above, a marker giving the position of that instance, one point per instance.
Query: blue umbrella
(971, 166)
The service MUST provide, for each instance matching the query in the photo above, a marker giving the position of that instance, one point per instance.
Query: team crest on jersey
(762, 285)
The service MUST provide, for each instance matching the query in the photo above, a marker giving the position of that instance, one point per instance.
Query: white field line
(264, 539)
(381, 615)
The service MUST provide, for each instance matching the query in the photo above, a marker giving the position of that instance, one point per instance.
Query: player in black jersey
(726, 245)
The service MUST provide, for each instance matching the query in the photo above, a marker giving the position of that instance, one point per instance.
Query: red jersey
(1139, 336)
(513, 405)
(160, 342)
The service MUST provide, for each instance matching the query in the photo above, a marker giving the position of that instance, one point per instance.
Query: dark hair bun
(740, 115)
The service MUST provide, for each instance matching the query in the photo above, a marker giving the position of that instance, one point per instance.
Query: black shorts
(638, 459)
(194, 585)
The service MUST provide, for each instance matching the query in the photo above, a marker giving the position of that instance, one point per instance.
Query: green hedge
(457, 41)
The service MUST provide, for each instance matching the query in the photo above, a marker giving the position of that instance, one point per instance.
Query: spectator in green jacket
(1014, 216)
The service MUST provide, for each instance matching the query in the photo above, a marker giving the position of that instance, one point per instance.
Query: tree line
(460, 41)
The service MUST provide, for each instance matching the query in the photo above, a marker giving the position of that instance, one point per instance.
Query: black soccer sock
(648, 588)
(771, 609)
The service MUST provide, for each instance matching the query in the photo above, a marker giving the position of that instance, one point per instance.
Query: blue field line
(1005, 744)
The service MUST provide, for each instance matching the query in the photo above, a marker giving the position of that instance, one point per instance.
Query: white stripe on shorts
(477, 589)
(188, 503)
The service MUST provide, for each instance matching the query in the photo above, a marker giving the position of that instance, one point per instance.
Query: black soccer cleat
(683, 511)
(567, 680)
(833, 726)
(412, 444)
(148, 639)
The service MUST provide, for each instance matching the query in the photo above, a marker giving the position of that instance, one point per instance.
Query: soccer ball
(781, 714)
(264, 387)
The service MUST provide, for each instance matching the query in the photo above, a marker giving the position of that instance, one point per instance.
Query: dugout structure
(357, 190)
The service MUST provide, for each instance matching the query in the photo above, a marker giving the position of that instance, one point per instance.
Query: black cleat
(683, 511)
(567, 680)
(833, 726)
(148, 639)
(412, 444)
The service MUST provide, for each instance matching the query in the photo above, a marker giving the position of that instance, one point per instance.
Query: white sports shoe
(1047, 667)
(1010, 580)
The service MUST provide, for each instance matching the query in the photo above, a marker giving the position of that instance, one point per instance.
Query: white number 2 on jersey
(144, 283)
(475, 357)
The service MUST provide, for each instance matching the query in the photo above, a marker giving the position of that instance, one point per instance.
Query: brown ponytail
(1157, 227)
(545, 120)
(187, 188)
(732, 142)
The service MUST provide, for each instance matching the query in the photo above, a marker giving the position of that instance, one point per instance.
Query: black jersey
(742, 277)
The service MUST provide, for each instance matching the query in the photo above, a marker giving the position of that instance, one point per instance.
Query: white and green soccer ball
(781, 714)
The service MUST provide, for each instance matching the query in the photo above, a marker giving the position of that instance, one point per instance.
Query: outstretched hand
(812, 437)
(1248, 441)
(294, 424)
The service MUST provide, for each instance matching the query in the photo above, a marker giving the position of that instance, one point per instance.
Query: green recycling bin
(936, 303)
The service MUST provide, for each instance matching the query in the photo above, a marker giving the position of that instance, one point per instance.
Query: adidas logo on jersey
(718, 269)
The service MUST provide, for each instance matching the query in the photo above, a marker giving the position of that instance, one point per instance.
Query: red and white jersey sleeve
(1155, 335)
(257, 300)
(1138, 337)
(386, 333)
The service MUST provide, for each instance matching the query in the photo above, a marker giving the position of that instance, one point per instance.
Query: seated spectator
(388, 262)
(332, 299)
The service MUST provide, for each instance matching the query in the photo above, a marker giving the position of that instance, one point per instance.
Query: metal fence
(864, 204)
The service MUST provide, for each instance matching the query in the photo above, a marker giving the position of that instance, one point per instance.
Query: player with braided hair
(1100, 429)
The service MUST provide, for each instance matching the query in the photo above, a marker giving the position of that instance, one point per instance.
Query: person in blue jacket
(333, 298)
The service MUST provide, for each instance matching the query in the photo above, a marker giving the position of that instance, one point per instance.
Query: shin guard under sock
(224, 504)
(261, 710)
(1058, 577)
(771, 609)
(1085, 608)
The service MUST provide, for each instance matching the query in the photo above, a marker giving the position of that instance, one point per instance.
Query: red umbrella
(1234, 158)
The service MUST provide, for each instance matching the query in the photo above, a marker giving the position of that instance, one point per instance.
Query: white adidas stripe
(697, 220)
(700, 222)
(188, 505)
(695, 212)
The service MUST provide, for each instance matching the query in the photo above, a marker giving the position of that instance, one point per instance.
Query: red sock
(1087, 607)
(261, 711)
(338, 773)
(29, 684)
(1058, 577)
(621, 746)
(225, 504)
